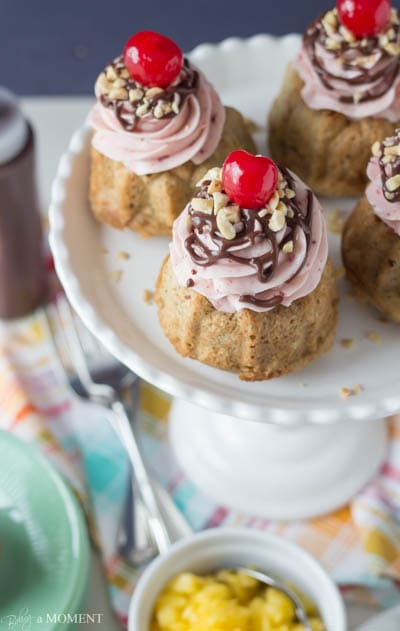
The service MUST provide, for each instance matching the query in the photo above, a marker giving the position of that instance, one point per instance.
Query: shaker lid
(13, 126)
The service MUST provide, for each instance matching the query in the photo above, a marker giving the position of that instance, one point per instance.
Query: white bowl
(230, 547)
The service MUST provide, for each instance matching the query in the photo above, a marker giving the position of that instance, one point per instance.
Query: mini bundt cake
(247, 286)
(371, 236)
(156, 132)
(149, 204)
(340, 95)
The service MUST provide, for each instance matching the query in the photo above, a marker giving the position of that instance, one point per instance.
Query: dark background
(59, 46)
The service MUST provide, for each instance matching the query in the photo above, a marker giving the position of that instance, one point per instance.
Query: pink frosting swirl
(387, 211)
(158, 145)
(317, 96)
(225, 281)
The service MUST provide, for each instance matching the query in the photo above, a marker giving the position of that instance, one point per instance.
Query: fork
(107, 396)
(135, 543)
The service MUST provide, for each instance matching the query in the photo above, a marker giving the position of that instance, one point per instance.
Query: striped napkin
(359, 545)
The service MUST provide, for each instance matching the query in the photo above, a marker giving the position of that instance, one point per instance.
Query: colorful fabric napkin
(359, 545)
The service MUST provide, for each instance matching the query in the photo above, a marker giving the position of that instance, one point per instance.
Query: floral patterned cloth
(359, 545)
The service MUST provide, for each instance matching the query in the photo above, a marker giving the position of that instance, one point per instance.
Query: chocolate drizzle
(250, 230)
(355, 55)
(168, 100)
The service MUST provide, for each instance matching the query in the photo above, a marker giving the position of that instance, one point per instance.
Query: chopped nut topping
(332, 44)
(118, 93)
(329, 26)
(212, 174)
(347, 35)
(232, 212)
(393, 183)
(148, 296)
(361, 53)
(111, 74)
(374, 337)
(336, 34)
(392, 49)
(281, 208)
(288, 247)
(388, 142)
(214, 187)
(345, 393)
(226, 228)
(330, 18)
(125, 256)
(384, 40)
(227, 212)
(151, 92)
(143, 109)
(220, 200)
(115, 86)
(135, 95)
(202, 205)
(116, 276)
(277, 221)
(347, 343)
(102, 83)
(162, 109)
(274, 201)
(394, 150)
(224, 224)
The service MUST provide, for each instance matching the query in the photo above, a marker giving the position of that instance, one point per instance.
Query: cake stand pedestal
(275, 472)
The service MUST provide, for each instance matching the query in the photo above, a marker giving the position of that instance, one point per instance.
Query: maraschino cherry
(248, 180)
(364, 17)
(152, 59)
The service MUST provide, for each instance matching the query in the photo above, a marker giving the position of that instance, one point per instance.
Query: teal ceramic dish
(44, 548)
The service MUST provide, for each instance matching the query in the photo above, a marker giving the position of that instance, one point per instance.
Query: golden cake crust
(254, 345)
(371, 255)
(149, 204)
(326, 149)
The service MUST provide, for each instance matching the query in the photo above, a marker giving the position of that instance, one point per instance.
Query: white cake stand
(285, 449)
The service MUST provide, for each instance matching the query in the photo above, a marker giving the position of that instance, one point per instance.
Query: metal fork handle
(135, 540)
(107, 396)
(156, 520)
